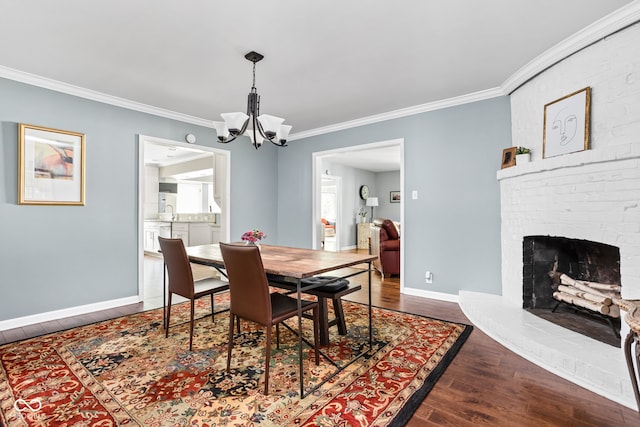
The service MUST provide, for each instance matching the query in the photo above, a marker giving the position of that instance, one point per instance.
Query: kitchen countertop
(183, 221)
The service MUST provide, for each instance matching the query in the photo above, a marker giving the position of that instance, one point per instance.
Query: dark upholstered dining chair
(181, 281)
(252, 300)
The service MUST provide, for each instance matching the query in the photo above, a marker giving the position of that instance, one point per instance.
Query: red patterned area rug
(125, 372)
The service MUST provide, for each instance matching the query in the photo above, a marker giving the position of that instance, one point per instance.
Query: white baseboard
(65, 312)
(430, 294)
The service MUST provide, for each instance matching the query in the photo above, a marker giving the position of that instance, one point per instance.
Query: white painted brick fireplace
(591, 195)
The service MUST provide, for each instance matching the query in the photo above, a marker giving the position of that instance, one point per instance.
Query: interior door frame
(316, 182)
(222, 157)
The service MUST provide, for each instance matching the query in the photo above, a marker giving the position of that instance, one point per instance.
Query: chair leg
(278, 336)
(267, 357)
(193, 309)
(230, 344)
(337, 308)
(324, 319)
(166, 330)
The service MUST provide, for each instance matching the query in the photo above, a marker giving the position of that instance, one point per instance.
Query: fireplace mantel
(539, 165)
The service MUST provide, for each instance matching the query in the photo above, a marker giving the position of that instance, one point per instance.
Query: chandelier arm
(244, 127)
(262, 132)
(256, 145)
(227, 140)
(284, 144)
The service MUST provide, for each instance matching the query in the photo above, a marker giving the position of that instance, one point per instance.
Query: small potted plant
(523, 155)
(362, 215)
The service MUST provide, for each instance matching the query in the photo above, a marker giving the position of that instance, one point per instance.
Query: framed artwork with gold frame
(508, 157)
(566, 124)
(51, 169)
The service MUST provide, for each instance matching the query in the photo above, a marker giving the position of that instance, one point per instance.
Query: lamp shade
(270, 124)
(221, 129)
(372, 201)
(283, 132)
(234, 121)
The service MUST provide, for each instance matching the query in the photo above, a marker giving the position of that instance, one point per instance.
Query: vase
(256, 243)
(523, 158)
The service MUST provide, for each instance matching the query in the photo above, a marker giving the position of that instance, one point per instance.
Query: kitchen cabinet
(153, 229)
(191, 233)
(180, 230)
(203, 233)
(214, 229)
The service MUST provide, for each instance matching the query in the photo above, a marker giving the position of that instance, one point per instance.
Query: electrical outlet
(428, 277)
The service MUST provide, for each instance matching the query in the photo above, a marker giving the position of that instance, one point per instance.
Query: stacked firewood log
(598, 297)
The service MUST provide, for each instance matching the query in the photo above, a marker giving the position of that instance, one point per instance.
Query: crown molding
(81, 92)
(615, 21)
(403, 112)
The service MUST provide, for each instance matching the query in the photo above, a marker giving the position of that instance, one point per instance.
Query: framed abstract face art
(566, 124)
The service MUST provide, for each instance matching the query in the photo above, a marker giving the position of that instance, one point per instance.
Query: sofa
(385, 243)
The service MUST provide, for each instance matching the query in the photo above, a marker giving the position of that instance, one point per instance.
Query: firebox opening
(572, 283)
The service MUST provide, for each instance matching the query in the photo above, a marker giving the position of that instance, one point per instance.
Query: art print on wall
(566, 124)
(51, 166)
(394, 197)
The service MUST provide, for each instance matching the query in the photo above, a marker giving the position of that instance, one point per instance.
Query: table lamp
(372, 201)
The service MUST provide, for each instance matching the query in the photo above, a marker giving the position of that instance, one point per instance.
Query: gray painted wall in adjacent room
(385, 183)
(57, 257)
(450, 157)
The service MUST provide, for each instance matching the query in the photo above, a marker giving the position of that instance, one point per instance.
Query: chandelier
(263, 127)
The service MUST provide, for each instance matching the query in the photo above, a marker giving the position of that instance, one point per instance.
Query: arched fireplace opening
(572, 283)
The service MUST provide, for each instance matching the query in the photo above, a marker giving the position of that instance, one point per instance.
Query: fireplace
(552, 266)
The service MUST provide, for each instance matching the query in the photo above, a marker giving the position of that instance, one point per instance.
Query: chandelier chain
(254, 76)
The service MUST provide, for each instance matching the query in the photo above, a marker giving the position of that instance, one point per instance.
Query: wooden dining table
(291, 266)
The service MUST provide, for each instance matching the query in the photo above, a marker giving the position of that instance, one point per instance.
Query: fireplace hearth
(546, 258)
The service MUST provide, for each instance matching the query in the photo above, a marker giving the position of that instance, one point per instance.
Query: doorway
(330, 197)
(215, 160)
(372, 158)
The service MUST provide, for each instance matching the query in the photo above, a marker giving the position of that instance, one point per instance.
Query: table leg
(370, 312)
(298, 286)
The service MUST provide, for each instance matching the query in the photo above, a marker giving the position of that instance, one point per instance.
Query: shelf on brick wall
(617, 153)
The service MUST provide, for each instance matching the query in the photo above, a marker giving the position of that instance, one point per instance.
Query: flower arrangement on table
(253, 236)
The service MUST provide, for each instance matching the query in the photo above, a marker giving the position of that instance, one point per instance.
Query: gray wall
(451, 157)
(56, 257)
(385, 183)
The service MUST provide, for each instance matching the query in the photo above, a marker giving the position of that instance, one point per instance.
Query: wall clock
(364, 192)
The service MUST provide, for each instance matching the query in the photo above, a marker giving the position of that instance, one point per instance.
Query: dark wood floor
(486, 384)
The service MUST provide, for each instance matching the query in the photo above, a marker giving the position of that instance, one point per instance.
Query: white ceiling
(157, 154)
(326, 62)
(382, 159)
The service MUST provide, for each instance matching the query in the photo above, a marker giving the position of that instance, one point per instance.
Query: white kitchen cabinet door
(199, 234)
(181, 231)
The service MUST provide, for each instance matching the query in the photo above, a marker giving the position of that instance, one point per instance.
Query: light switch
(414, 194)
